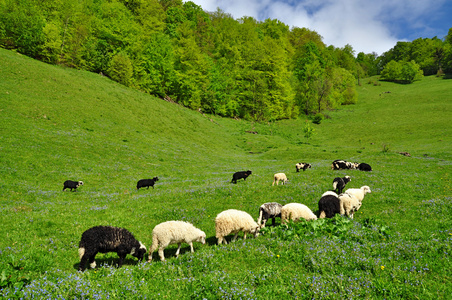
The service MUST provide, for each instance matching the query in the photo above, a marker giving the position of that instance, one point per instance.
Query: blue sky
(367, 25)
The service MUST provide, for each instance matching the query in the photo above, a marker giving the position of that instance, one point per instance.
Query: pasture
(58, 124)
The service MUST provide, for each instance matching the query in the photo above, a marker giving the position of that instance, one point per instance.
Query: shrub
(318, 118)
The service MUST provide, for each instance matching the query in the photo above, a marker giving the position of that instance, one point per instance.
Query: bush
(318, 118)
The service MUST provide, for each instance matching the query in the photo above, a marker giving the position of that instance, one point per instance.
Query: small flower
(277, 255)
(382, 268)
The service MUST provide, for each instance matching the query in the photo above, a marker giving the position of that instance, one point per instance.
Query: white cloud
(367, 25)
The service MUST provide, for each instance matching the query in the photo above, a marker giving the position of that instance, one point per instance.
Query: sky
(367, 25)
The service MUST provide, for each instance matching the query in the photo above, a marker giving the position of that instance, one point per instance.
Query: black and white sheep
(340, 164)
(269, 210)
(364, 167)
(146, 182)
(339, 183)
(240, 175)
(234, 221)
(73, 185)
(329, 205)
(303, 166)
(174, 232)
(105, 239)
(279, 177)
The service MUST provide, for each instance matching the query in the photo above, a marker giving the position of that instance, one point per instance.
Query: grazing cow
(73, 185)
(240, 175)
(303, 166)
(146, 183)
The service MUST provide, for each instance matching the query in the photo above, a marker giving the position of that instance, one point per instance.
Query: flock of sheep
(113, 239)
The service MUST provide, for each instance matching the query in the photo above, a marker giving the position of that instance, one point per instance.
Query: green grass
(58, 124)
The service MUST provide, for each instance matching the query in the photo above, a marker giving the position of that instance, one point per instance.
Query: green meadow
(58, 124)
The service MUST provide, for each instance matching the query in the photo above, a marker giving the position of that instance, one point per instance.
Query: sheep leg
(235, 237)
(83, 262)
(121, 259)
(92, 263)
(244, 235)
(178, 249)
(273, 223)
(191, 247)
(161, 254)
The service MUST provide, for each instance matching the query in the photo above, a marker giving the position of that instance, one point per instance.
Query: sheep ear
(132, 252)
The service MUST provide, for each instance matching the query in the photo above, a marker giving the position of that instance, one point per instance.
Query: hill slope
(59, 124)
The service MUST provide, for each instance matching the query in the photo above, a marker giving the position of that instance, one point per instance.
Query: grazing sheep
(329, 205)
(340, 164)
(269, 210)
(352, 199)
(234, 221)
(349, 204)
(303, 166)
(339, 183)
(239, 175)
(364, 167)
(295, 211)
(359, 193)
(279, 177)
(73, 185)
(105, 239)
(174, 232)
(146, 182)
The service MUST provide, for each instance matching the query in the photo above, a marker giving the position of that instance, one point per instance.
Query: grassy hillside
(58, 124)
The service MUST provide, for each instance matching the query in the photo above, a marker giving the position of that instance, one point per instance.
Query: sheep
(146, 182)
(339, 183)
(73, 185)
(239, 175)
(174, 232)
(234, 221)
(303, 166)
(295, 211)
(105, 239)
(359, 193)
(329, 205)
(279, 177)
(269, 210)
(364, 167)
(340, 164)
(352, 199)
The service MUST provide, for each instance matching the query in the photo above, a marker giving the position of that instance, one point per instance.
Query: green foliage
(308, 130)
(121, 69)
(405, 72)
(318, 118)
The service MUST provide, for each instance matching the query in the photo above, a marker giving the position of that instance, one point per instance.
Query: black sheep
(364, 167)
(146, 183)
(105, 239)
(73, 185)
(269, 210)
(339, 184)
(240, 175)
(329, 205)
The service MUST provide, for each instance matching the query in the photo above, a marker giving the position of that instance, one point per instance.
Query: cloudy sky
(367, 25)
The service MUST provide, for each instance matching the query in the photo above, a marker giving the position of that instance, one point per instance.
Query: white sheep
(359, 193)
(279, 177)
(351, 200)
(234, 221)
(295, 211)
(349, 204)
(174, 232)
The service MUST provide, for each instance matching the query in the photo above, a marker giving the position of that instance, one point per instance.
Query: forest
(209, 61)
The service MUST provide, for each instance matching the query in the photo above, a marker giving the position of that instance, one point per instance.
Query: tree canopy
(258, 70)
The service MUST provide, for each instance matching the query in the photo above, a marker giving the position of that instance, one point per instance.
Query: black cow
(240, 175)
(73, 185)
(146, 182)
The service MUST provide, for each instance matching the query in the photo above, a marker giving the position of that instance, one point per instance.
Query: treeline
(203, 60)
